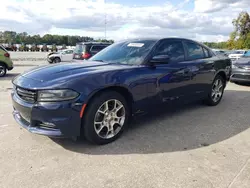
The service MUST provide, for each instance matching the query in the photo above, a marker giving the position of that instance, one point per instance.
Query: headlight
(56, 95)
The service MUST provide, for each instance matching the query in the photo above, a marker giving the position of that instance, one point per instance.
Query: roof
(158, 39)
(101, 43)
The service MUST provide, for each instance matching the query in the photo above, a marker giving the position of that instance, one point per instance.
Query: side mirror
(161, 59)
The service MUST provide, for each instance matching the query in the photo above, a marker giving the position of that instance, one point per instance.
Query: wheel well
(121, 90)
(223, 75)
(1, 63)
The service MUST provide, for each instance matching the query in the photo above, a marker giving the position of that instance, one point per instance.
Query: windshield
(79, 48)
(247, 54)
(130, 53)
(239, 52)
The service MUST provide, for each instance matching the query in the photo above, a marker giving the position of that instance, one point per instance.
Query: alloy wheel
(217, 90)
(109, 119)
(2, 70)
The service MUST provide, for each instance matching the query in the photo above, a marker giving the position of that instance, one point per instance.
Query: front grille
(26, 95)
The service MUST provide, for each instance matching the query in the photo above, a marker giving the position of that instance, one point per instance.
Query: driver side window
(174, 49)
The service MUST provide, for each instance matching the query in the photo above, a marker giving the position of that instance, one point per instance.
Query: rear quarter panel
(4, 59)
(223, 64)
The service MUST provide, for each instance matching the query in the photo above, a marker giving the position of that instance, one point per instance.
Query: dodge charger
(96, 98)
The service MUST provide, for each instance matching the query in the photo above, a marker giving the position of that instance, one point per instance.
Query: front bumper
(60, 119)
(36, 130)
(240, 75)
(49, 60)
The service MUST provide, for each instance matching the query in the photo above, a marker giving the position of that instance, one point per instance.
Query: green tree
(239, 38)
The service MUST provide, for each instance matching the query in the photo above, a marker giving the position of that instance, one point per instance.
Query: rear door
(200, 65)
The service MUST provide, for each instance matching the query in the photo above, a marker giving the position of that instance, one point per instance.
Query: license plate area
(24, 112)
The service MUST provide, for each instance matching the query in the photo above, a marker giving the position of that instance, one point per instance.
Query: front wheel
(106, 117)
(216, 92)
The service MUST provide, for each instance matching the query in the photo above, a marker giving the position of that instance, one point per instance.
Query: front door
(173, 81)
(67, 55)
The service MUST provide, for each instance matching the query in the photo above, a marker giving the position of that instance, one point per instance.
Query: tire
(57, 60)
(3, 70)
(90, 128)
(210, 100)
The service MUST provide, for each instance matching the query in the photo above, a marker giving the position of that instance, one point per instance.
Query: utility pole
(105, 20)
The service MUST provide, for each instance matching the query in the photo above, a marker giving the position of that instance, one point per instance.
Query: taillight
(7, 55)
(86, 55)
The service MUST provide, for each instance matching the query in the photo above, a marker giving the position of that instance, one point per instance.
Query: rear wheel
(216, 92)
(3, 70)
(106, 117)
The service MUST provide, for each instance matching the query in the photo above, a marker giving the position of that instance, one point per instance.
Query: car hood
(69, 70)
(235, 55)
(244, 61)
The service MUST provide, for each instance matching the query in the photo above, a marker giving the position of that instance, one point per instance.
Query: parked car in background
(34, 48)
(85, 50)
(10, 47)
(237, 54)
(99, 96)
(5, 61)
(23, 47)
(44, 48)
(60, 56)
(241, 69)
(220, 52)
(54, 48)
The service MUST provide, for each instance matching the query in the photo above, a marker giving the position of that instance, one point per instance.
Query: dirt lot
(195, 146)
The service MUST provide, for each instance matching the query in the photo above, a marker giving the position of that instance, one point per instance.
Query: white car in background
(237, 54)
(65, 55)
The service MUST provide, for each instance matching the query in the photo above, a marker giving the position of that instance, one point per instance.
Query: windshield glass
(238, 52)
(79, 48)
(130, 53)
(247, 54)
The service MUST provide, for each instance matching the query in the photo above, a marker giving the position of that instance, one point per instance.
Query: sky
(202, 20)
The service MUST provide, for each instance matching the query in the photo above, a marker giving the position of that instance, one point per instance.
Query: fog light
(47, 124)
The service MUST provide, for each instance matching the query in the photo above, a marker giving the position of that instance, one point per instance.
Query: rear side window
(97, 48)
(206, 53)
(80, 48)
(194, 51)
(69, 52)
(174, 49)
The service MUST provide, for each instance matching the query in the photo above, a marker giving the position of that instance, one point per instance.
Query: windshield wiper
(99, 60)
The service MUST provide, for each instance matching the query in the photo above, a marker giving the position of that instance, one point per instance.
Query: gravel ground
(28, 56)
(193, 146)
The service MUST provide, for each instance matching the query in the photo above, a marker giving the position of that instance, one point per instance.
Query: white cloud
(210, 20)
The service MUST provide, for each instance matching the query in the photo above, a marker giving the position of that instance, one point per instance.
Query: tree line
(12, 37)
(239, 38)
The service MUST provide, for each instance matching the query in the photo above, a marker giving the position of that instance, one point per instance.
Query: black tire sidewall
(209, 99)
(57, 60)
(5, 70)
(91, 109)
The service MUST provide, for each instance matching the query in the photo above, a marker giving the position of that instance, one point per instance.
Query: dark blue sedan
(98, 97)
